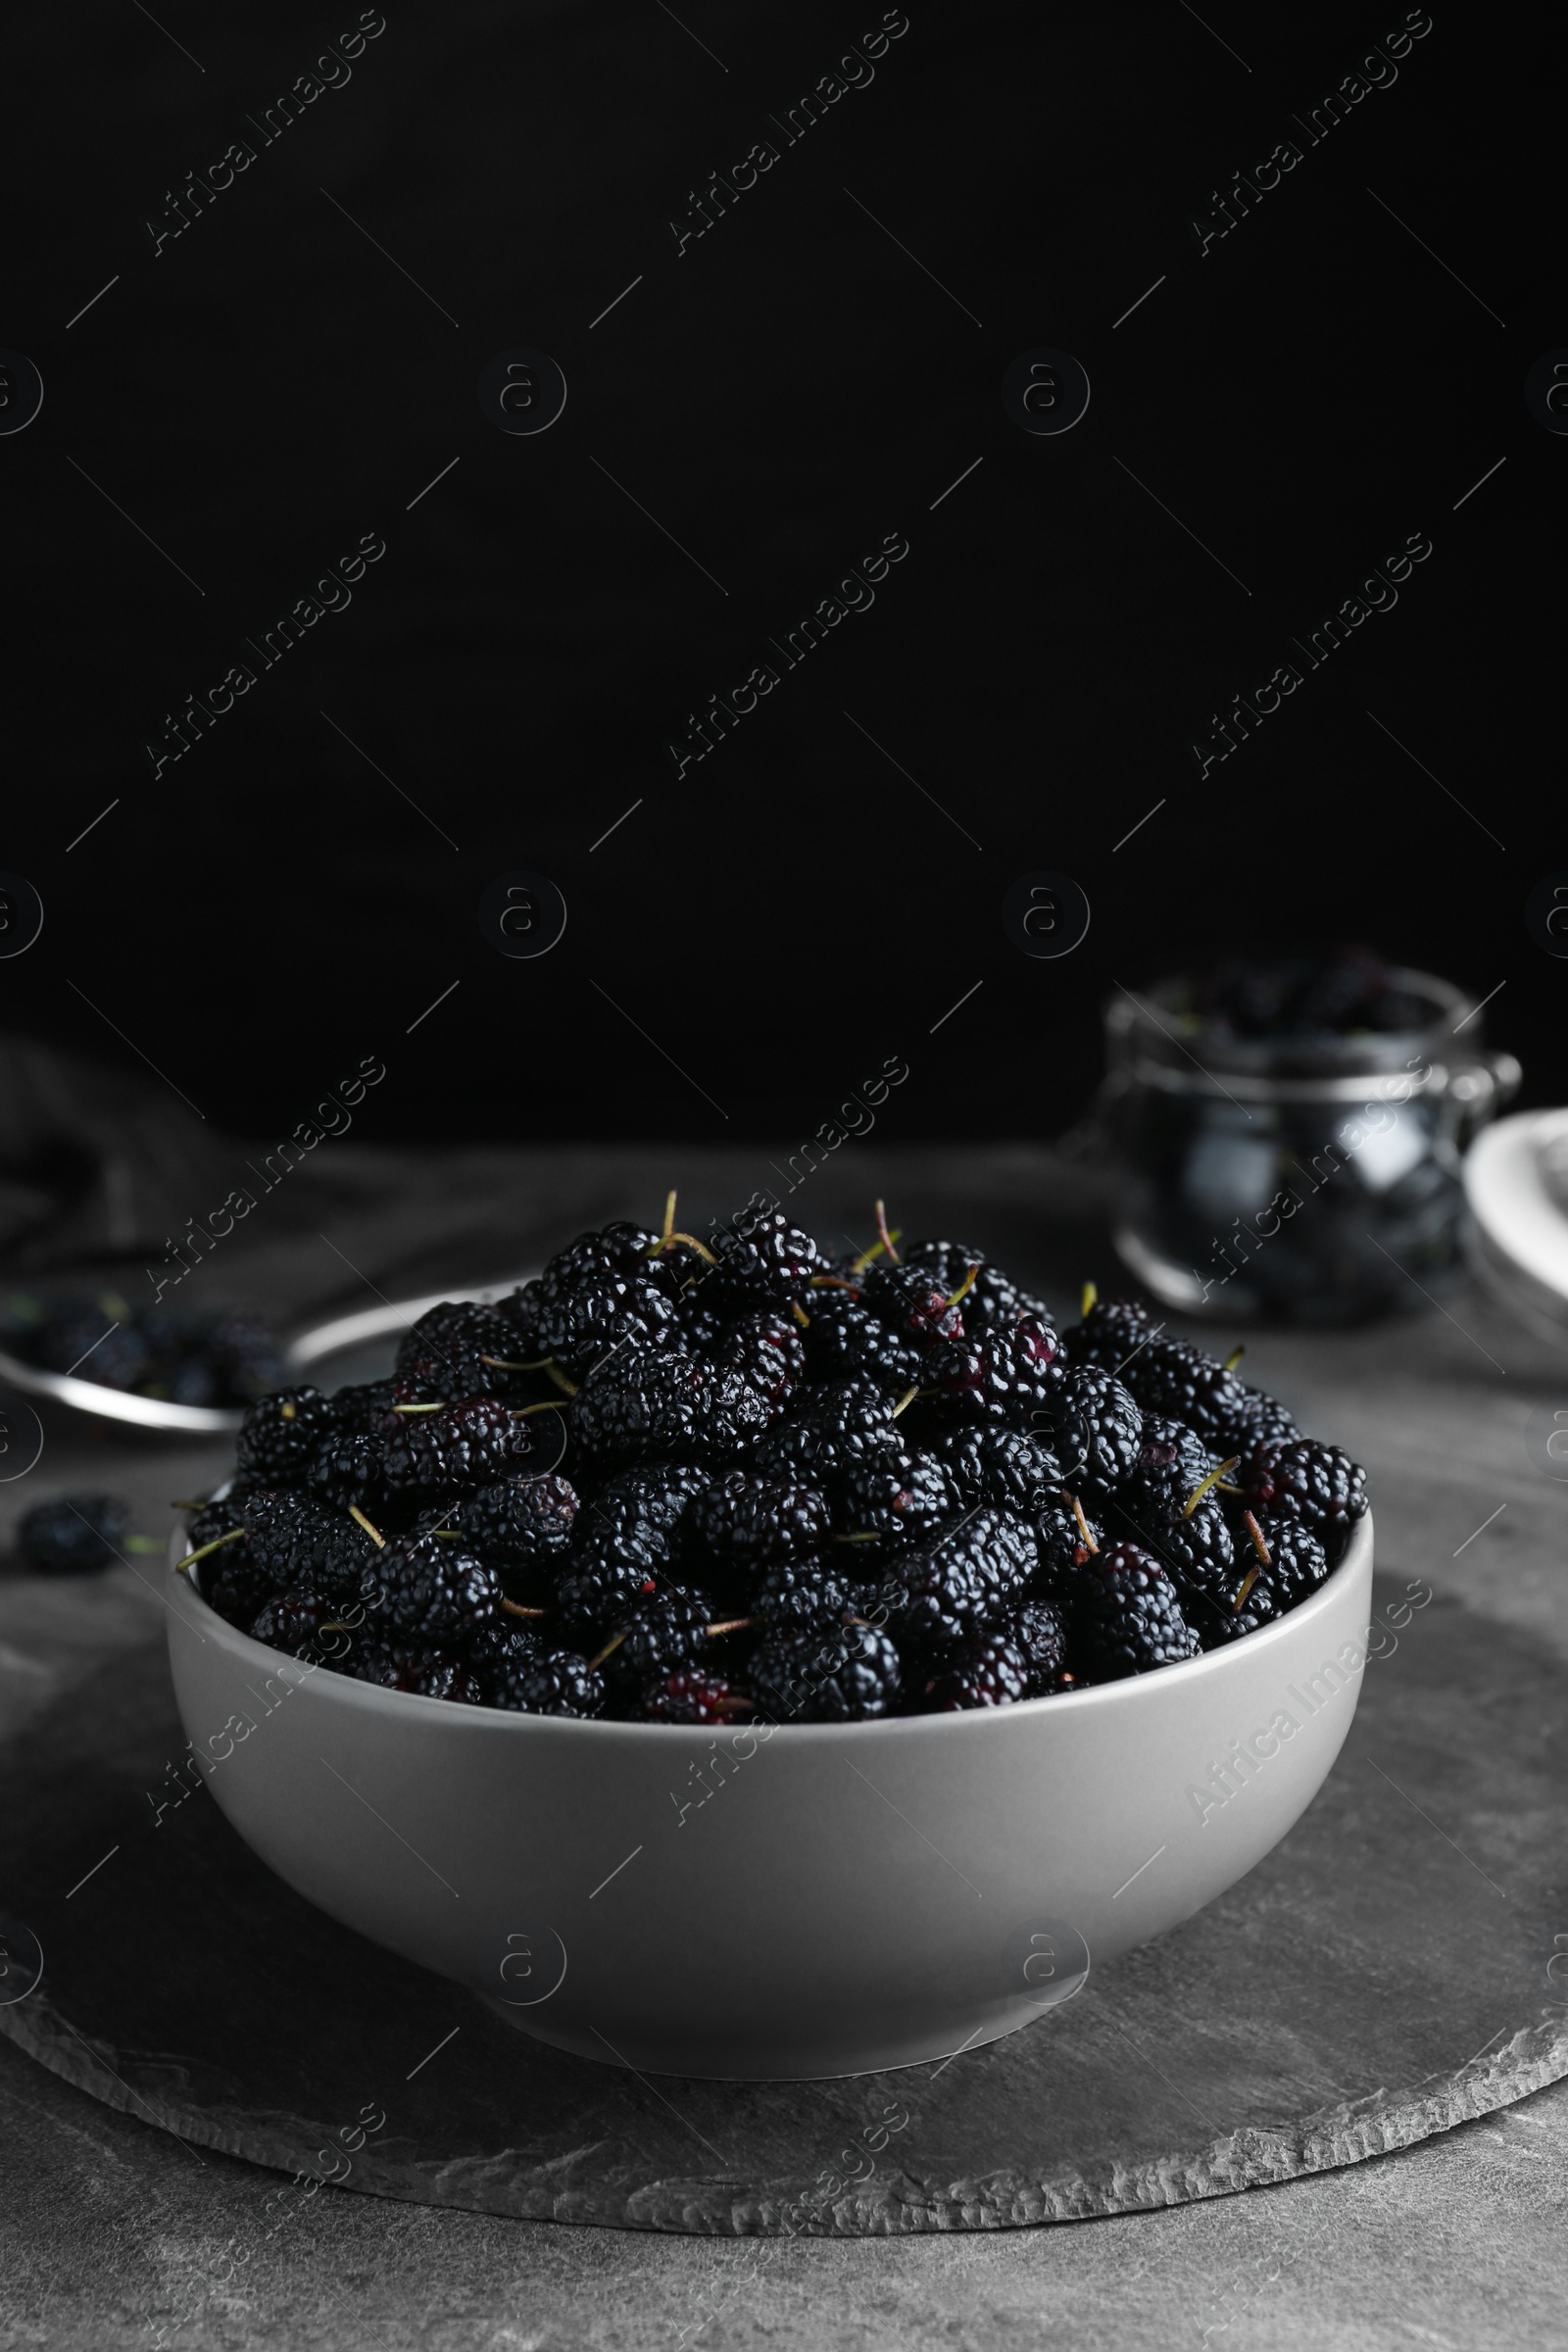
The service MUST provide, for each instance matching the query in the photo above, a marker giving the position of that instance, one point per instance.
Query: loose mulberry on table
(66, 1533)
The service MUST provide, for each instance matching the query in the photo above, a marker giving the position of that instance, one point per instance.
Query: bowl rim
(391, 1704)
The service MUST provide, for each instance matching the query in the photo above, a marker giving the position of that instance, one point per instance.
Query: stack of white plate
(1516, 1178)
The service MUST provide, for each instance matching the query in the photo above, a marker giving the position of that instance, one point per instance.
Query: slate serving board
(1394, 1967)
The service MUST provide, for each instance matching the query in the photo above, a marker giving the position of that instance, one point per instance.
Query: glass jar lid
(1158, 1037)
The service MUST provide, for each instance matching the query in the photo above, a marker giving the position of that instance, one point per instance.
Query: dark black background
(781, 396)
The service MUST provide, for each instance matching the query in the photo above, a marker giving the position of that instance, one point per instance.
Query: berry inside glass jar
(1287, 1136)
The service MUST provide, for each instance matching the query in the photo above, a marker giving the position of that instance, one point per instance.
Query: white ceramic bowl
(828, 1899)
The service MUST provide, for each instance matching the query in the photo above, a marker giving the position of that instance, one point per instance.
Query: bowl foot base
(806, 2057)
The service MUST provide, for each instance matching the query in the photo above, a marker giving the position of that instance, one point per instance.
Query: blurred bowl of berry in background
(191, 1371)
(1288, 1136)
(190, 1374)
(775, 1903)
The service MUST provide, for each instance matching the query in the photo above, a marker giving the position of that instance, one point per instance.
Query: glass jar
(1315, 1179)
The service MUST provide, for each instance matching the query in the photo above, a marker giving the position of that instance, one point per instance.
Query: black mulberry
(989, 1671)
(471, 1444)
(1099, 1430)
(1302, 1478)
(280, 1434)
(434, 1591)
(562, 1683)
(69, 1532)
(971, 1576)
(1128, 1619)
(900, 1496)
(990, 1463)
(744, 1519)
(849, 1675)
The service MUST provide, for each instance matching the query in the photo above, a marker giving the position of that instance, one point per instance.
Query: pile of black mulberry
(793, 1488)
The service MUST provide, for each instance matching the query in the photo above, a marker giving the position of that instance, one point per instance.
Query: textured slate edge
(899, 2205)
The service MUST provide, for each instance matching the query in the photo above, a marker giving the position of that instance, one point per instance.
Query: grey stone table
(116, 2231)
